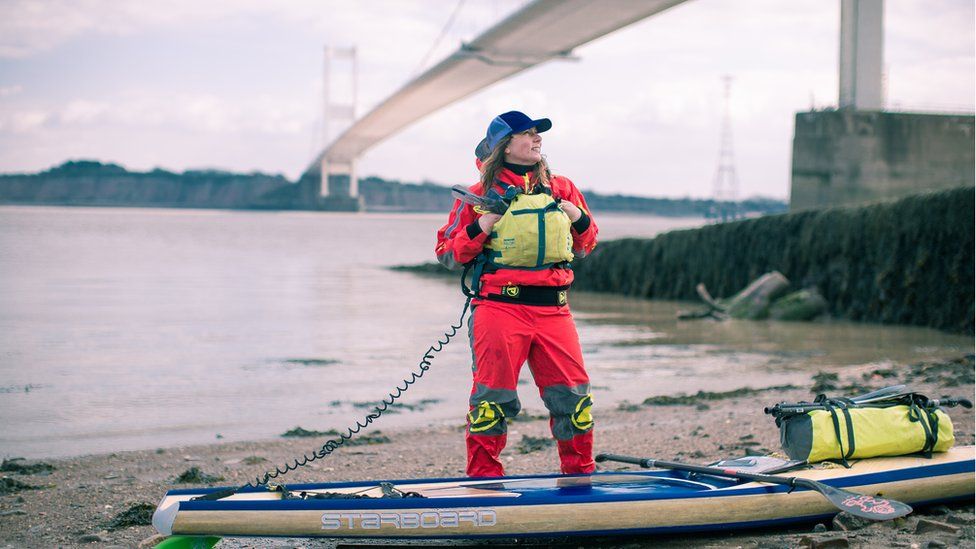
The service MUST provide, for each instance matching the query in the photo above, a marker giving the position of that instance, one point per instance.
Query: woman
(521, 310)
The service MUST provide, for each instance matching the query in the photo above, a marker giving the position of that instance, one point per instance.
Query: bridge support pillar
(861, 55)
(338, 178)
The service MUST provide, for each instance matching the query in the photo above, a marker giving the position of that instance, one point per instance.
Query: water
(142, 328)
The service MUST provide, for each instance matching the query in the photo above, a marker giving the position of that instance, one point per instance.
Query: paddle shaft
(869, 507)
(783, 409)
(885, 393)
(647, 463)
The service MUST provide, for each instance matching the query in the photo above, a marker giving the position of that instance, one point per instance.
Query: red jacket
(461, 239)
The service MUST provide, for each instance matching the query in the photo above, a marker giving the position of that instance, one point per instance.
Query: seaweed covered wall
(906, 262)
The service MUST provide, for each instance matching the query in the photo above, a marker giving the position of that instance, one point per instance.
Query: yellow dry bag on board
(844, 428)
(534, 233)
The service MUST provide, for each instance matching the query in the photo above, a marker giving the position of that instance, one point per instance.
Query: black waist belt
(531, 295)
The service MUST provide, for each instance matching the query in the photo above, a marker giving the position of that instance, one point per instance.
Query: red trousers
(503, 336)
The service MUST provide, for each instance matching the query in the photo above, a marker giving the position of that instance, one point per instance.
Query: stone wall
(848, 157)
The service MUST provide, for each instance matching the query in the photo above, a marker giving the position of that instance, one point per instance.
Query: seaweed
(824, 381)
(12, 486)
(194, 475)
(14, 465)
(311, 361)
(682, 399)
(948, 373)
(139, 514)
(530, 444)
(299, 432)
(376, 437)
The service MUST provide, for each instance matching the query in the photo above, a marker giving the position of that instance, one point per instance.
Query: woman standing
(521, 311)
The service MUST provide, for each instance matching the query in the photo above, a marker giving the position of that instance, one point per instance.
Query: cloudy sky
(237, 85)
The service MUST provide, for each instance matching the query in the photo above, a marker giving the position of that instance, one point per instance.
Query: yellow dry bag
(866, 432)
(846, 428)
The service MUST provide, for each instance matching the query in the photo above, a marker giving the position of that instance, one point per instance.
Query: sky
(237, 85)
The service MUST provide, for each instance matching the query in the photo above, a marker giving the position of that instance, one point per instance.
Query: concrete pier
(848, 157)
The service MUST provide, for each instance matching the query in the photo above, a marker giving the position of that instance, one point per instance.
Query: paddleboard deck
(606, 503)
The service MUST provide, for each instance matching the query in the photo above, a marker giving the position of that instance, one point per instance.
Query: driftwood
(802, 305)
(763, 298)
(715, 309)
(697, 315)
(753, 302)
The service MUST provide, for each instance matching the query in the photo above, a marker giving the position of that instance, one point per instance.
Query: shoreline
(82, 495)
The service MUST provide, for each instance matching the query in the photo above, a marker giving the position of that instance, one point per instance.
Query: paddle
(493, 205)
(885, 393)
(880, 394)
(869, 507)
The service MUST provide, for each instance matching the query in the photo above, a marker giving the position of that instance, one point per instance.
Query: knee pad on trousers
(489, 410)
(570, 408)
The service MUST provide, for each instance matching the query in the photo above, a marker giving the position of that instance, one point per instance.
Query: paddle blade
(459, 192)
(884, 393)
(494, 205)
(869, 507)
(466, 196)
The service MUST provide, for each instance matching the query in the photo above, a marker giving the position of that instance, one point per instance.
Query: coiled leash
(331, 445)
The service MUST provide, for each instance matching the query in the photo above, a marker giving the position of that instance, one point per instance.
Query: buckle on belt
(531, 295)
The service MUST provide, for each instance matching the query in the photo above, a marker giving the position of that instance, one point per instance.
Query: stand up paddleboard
(607, 503)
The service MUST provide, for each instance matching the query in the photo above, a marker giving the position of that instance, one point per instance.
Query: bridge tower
(861, 55)
(339, 111)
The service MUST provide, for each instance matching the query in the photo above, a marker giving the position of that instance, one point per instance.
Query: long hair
(496, 161)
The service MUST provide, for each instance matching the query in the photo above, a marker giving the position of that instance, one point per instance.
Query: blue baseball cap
(510, 123)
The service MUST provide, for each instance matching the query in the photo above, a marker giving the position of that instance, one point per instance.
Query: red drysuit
(504, 335)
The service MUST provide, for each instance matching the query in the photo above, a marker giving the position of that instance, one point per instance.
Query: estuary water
(125, 328)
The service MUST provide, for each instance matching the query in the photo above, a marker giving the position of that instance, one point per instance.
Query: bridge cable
(437, 41)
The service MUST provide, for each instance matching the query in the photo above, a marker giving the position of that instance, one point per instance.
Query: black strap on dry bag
(831, 406)
(926, 417)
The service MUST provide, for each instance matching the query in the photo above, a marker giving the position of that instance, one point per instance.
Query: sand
(77, 501)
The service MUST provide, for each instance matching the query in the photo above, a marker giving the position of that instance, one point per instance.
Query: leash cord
(331, 445)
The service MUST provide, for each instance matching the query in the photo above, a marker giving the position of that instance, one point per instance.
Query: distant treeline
(380, 194)
(91, 183)
(904, 262)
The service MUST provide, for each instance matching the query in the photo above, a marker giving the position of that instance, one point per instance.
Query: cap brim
(482, 150)
(540, 125)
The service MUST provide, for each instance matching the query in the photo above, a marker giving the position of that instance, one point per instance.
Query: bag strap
(832, 406)
(930, 425)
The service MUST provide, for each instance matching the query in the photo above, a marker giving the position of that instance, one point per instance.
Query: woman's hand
(571, 210)
(487, 221)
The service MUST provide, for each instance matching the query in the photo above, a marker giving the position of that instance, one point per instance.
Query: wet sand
(75, 502)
